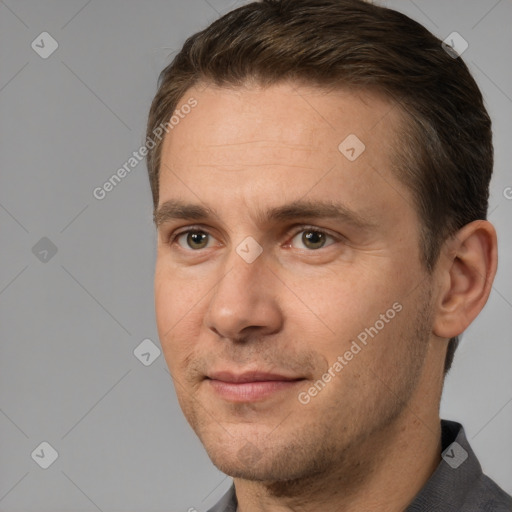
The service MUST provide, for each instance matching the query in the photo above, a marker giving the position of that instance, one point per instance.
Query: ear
(466, 271)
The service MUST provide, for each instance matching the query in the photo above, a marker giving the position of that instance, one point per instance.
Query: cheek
(165, 304)
(176, 319)
(346, 300)
(175, 297)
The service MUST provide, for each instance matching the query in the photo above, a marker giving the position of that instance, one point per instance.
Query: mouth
(250, 386)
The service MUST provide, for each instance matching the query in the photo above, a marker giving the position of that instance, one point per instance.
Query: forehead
(301, 118)
(284, 141)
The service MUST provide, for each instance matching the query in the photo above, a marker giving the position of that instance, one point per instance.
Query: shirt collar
(456, 474)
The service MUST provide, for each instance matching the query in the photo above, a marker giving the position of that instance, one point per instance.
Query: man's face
(258, 285)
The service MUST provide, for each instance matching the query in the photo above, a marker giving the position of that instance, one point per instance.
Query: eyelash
(171, 239)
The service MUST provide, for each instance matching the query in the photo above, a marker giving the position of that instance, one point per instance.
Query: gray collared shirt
(457, 485)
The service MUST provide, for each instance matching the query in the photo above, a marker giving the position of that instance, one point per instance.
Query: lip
(250, 386)
(253, 376)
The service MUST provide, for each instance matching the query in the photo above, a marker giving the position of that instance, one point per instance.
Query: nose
(245, 300)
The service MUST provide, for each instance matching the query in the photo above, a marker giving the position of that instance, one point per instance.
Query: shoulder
(487, 496)
(459, 484)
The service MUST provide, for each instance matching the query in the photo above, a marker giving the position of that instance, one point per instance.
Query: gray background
(68, 375)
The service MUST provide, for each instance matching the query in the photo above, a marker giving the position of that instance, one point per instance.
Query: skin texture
(370, 438)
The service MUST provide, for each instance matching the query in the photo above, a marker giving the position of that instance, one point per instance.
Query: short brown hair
(445, 154)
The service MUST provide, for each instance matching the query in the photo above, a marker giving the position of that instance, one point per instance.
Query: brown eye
(193, 239)
(312, 239)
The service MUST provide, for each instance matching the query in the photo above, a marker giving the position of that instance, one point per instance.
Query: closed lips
(254, 376)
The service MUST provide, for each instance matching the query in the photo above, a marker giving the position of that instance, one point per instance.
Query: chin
(240, 458)
(237, 466)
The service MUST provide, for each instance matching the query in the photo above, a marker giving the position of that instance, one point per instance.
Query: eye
(312, 238)
(193, 239)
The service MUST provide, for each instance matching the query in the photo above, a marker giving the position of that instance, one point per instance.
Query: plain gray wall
(69, 325)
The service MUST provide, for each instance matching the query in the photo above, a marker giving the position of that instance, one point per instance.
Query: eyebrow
(176, 209)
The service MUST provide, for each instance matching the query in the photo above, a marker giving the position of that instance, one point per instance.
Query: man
(320, 197)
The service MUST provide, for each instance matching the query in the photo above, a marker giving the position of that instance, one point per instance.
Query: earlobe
(467, 268)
